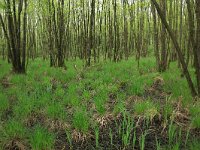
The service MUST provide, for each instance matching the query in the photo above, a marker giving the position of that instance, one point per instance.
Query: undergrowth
(106, 104)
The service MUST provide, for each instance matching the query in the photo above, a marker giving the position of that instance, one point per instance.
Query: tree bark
(197, 54)
(156, 41)
(163, 62)
(177, 47)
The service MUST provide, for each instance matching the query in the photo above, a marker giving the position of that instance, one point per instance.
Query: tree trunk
(156, 41)
(13, 34)
(197, 51)
(177, 47)
(163, 62)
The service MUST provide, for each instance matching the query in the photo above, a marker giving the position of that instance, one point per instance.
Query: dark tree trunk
(197, 51)
(24, 38)
(177, 47)
(91, 33)
(163, 62)
(13, 34)
(61, 33)
(115, 31)
(156, 41)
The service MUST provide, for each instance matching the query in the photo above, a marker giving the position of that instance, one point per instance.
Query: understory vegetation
(105, 106)
(99, 74)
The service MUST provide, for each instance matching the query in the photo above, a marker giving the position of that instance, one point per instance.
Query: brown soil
(15, 145)
(5, 82)
(157, 128)
(82, 141)
(156, 91)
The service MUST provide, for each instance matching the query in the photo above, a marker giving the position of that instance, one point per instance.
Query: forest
(99, 75)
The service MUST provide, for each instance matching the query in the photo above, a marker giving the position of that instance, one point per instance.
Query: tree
(91, 33)
(16, 33)
(156, 42)
(163, 60)
(177, 47)
(56, 32)
(197, 50)
(195, 44)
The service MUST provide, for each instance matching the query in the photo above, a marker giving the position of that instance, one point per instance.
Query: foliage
(46, 94)
(41, 139)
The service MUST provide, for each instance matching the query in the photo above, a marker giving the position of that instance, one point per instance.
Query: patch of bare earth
(6, 114)
(156, 91)
(16, 144)
(5, 82)
(35, 118)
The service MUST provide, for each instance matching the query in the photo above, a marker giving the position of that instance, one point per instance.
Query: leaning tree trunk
(177, 48)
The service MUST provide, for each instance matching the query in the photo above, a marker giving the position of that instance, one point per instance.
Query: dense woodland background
(56, 33)
(101, 30)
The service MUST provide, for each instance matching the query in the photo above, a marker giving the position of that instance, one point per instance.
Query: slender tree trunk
(163, 62)
(24, 38)
(91, 40)
(61, 33)
(177, 47)
(197, 51)
(115, 31)
(156, 41)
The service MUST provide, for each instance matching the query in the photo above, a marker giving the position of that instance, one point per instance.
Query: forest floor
(107, 106)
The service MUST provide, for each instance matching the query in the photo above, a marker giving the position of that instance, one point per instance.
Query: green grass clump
(194, 145)
(4, 103)
(176, 84)
(69, 74)
(81, 120)
(196, 122)
(194, 110)
(100, 106)
(172, 132)
(195, 113)
(86, 95)
(147, 65)
(126, 130)
(146, 108)
(136, 88)
(100, 100)
(19, 80)
(56, 111)
(41, 139)
(71, 97)
(41, 100)
(167, 110)
(23, 106)
(142, 140)
(119, 107)
(5, 68)
(59, 93)
(23, 110)
(138, 83)
(143, 107)
(13, 130)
